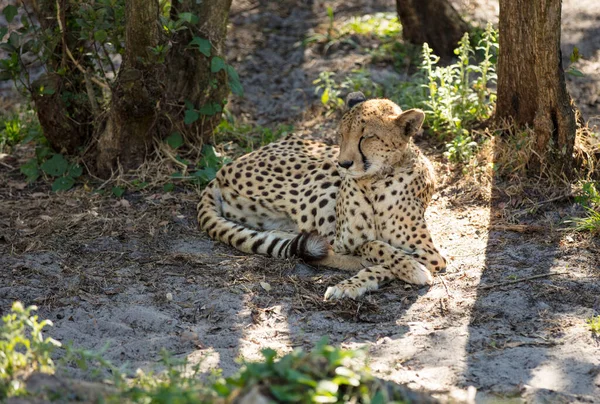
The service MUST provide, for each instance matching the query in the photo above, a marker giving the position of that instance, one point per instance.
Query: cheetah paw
(348, 289)
(419, 276)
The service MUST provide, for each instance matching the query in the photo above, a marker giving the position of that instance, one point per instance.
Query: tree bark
(135, 96)
(531, 81)
(188, 70)
(433, 21)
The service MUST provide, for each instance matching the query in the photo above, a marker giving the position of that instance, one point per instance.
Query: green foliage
(329, 90)
(324, 375)
(23, 349)
(590, 199)
(384, 27)
(594, 325)
(175, 140)
(22, 127)
(460, 94)
(118, 191)
(249, 137)
(574, 58)
(57, 167)
(95, 35)
(460, 149)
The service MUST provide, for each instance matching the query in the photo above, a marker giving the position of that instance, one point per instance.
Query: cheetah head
(375, 134)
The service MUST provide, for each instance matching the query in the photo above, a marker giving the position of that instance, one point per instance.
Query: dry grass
(500, 169)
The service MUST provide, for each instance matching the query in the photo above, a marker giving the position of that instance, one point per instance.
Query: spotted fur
(359, 206)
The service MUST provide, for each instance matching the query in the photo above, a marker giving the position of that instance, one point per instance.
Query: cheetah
(359, 206)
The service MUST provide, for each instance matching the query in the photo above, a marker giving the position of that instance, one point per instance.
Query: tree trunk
(531, 81)
(131, 127)
(433, 21)
(189, 71)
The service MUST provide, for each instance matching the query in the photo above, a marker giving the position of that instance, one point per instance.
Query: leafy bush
(460, 149)
(23, 349)
(460, 94)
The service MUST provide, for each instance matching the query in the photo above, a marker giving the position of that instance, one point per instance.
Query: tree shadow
(532, 282)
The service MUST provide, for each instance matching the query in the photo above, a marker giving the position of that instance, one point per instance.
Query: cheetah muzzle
(359, 206)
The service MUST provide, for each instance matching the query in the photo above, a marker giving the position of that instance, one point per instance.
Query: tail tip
(313, 246)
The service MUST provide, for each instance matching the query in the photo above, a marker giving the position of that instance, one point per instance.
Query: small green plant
(360, 80)
(384, 26)
(460, 149)
(23, 349)
(594, 325)
(589, 194)
(55, 166)
(249, 137)
(329, 90)
(331, 37)
(590, 199)
(454, 99)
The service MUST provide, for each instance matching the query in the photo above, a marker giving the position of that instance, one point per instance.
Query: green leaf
(203, 45)
(118, 191)
(175, 140)
(209, 157)
(3, 31)
(210, 109)
(206, 174)
(10, 12)
(100, 36)
(233, 80)
(189, 18)
(378, 398)
(75, 170)
(325, 97)
(269, 354)
(55, 166)
(30, 170)
(191, 116)
(63, 184)
(285, 394)
(574, 72)
(217, 64)
(168, 187)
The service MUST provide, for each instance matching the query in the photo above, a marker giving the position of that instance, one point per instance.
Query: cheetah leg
(343, 261)
(391, 263)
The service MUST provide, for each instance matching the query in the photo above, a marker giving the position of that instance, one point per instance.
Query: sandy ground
(136, 273)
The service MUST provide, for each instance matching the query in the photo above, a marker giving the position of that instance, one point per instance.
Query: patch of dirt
(135, 273)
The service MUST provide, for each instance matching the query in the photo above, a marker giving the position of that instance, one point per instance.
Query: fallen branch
(496, 285)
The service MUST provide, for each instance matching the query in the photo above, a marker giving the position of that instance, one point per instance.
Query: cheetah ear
(355, 98)
(410, 121)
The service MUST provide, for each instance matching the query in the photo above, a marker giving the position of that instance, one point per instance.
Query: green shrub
(23, 349)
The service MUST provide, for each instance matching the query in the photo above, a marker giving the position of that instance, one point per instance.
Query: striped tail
(278, 244)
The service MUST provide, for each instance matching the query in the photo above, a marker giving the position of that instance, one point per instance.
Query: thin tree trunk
(531, 81)
(433, 21)
(131, 127)
(189, 71)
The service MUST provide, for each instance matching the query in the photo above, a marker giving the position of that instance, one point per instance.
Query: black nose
(346, 164)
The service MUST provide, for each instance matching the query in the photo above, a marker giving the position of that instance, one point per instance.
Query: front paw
(419, 275)
(352, 288)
